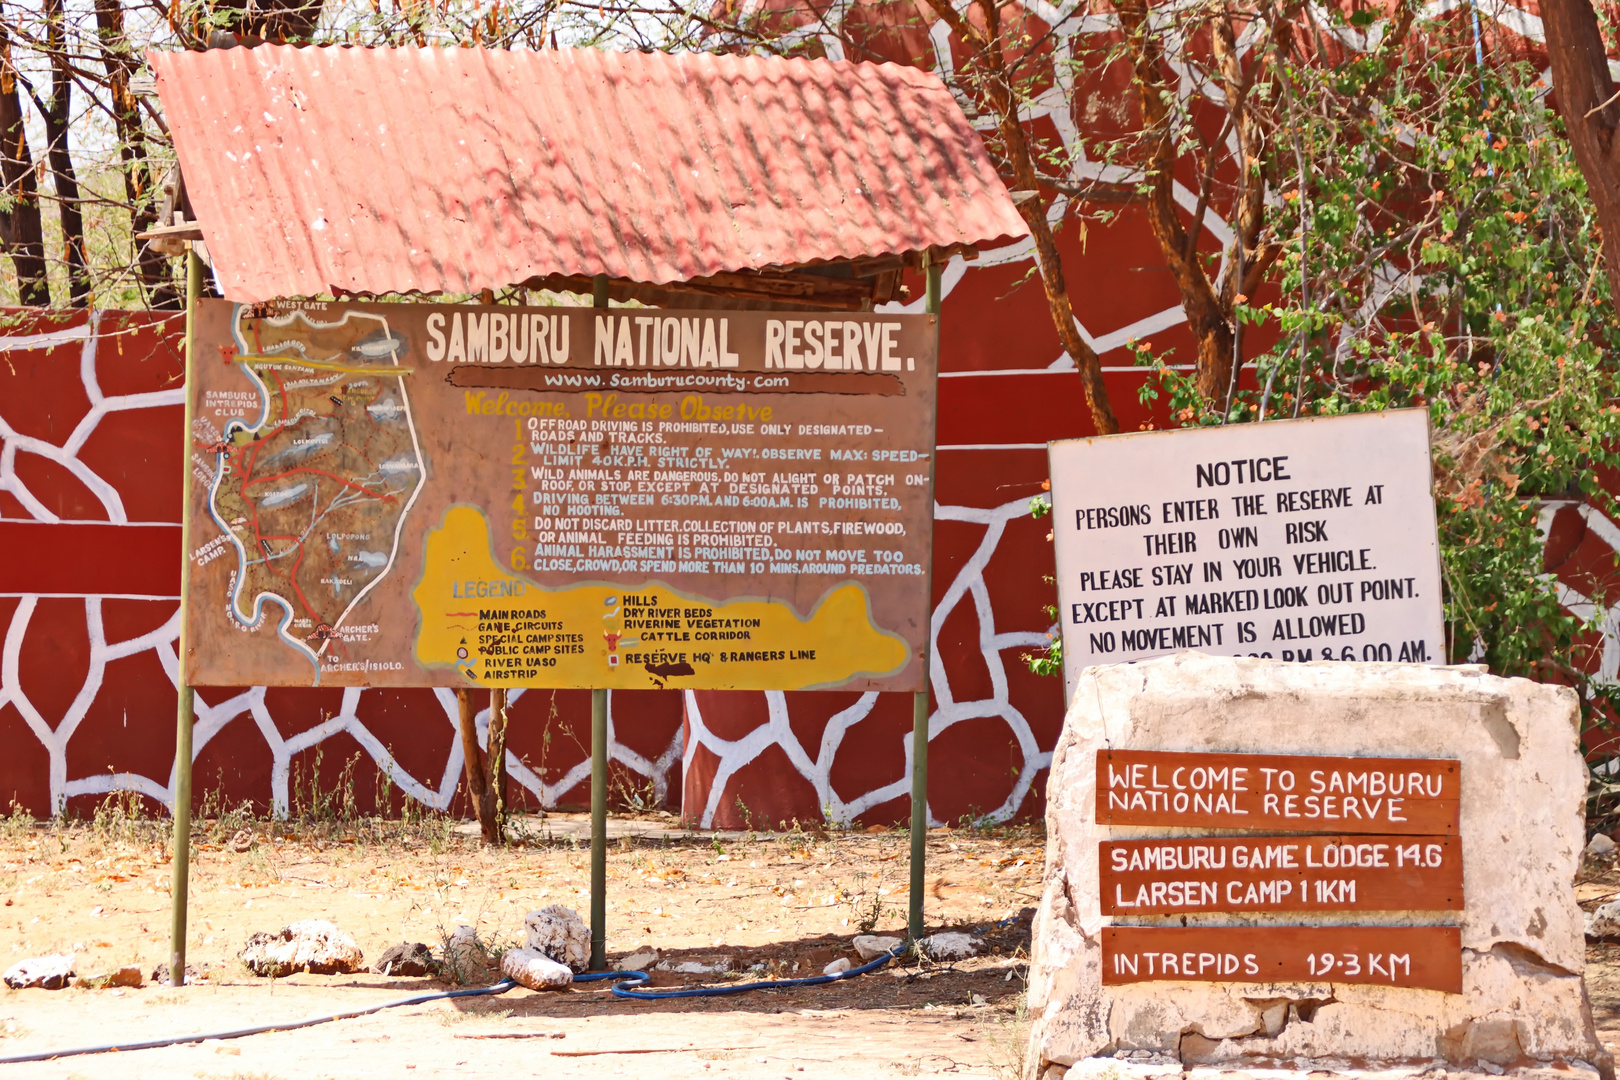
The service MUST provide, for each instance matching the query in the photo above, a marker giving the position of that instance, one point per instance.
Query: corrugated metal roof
(451, 170)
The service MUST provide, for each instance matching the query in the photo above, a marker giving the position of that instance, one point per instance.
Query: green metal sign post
(599, 772)
(920, 709)
(180, 879)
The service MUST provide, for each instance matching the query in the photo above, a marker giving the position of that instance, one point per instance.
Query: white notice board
(1298, 539)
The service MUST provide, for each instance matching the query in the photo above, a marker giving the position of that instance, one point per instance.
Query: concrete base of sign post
(1524, 1001)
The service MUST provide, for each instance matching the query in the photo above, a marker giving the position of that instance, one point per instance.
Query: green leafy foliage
(1438, 250)
(1435, 248)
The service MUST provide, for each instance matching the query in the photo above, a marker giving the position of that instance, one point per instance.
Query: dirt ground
(791, 902)
(1600, 883)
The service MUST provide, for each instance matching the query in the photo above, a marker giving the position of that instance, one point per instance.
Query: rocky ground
(729, 908)
(740, 906)
(1599, 885)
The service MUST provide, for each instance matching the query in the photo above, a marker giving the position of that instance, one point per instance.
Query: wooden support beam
(190, 230)
(807, 290)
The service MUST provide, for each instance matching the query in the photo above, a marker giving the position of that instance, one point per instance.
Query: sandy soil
(1600, 883)
(101, 892)
(793, 901)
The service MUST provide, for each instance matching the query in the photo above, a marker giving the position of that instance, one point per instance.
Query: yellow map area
(501, 629)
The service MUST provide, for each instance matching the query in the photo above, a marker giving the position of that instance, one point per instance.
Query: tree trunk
(1057, 303)
(1585, 95)
(280, 21)
(66, 181)
(20, 226)
(1208, 320)
(151, 268)
(997, 87)
(473, 764)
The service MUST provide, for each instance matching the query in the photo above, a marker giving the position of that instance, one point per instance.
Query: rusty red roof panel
(451, 170)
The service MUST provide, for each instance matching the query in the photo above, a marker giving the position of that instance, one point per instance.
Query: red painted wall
(89, 568)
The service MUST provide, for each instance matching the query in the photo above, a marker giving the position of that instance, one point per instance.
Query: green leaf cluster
(1439, 250)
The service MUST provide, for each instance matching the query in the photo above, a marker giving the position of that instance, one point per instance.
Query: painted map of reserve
(400, 494)
(313, 487)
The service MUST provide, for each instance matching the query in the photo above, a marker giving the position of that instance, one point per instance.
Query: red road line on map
(291, 576)
(292, 579)
(247, 468)
(282, 390)
(318, 472)
(252, 451)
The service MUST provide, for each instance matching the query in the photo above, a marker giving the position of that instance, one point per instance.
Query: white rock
(1523, 786)
(126, 976)
(639, 961)
(950, 946)
(41, 973)
(464, 955)
(535, 970)
(1600, 846)
(838, 966)
(313, 945)
(1604, 922)
(871, 946)
(561, 934)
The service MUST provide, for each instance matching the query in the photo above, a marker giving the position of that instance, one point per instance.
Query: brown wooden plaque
(1278, 792)
(1281, 873)
(1423, 957)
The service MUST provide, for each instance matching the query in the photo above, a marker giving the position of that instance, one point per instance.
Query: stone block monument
(1257, 864)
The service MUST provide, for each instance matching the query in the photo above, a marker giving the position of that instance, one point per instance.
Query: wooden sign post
(185, 707)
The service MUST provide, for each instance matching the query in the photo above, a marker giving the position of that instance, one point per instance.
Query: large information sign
(409, 495)
(1299, 540)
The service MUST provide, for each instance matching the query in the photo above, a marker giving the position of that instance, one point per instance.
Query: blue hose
(636, 978)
